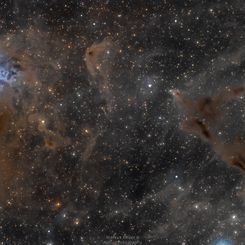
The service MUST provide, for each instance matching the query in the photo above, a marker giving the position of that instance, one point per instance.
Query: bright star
(222, 242)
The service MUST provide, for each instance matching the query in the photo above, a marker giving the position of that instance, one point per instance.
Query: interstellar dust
(204, 114)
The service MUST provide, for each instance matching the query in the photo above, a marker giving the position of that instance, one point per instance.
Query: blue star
(222, 242)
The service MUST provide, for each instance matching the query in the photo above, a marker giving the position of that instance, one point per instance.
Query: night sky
(122, 122)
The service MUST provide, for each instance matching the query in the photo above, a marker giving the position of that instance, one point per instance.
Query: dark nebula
(205, 113)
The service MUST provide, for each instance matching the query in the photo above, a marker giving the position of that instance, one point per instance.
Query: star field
(122, 122)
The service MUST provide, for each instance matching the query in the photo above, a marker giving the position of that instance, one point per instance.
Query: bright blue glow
(8, 73)
(222, 242)
(4, 74)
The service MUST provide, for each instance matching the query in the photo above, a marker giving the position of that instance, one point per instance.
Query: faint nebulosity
(122, 122)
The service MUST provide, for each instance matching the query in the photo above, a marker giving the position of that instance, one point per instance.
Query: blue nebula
(6, 75)
(222, 242)
(8, 71)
